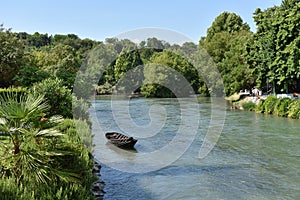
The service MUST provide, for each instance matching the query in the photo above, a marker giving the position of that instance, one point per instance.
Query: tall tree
(275, 54)
(228, 22)
(226, 43)
(11, 56)
(237, 75)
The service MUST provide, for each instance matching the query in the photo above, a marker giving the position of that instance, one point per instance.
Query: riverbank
(239, 102)
(98, 185)
(284, 107)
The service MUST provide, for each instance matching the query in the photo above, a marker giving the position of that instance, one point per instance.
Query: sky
(99, 19)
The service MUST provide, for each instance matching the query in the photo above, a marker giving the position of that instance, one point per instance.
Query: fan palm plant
(30, 143)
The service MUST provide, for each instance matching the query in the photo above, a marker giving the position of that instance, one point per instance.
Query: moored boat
(121, 140)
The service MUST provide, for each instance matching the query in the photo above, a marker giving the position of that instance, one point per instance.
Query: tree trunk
(17, 148)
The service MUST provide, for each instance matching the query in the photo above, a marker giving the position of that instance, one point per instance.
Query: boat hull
(120, 140)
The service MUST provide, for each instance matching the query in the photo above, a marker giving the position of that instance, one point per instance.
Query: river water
(256, 157)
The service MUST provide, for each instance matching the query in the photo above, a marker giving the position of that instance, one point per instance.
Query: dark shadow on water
(174, 170)
(120, 150)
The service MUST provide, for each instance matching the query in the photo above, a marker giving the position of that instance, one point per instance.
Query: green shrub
(294, 109)
(260, 108)
(80, 110)
(282, 106)
(106, 88)
(250, 106)
(43, 152)
(78, 131)
(59, 97)
(30, 74)
(29, 191)
(9, 190)
(269, 104)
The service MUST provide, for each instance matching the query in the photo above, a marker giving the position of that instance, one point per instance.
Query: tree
(218, 46)
(155, 43)
(146, 53)
(158, 72)
(263, 50)
(286, 65)
(220, 32)
(39, 40)
(142, 44)
(126, 62)
(11, 56)
(275, 54)
(121, 45)
(189, 48)
(30, 74)
(235, 72)
(36, 40)
(61, 60)
(226, 43)
(97, 69)
(228, 22)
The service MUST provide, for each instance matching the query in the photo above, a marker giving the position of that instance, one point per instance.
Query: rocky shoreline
(98, 185)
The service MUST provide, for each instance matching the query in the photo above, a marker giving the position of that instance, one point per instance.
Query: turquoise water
(256, 157)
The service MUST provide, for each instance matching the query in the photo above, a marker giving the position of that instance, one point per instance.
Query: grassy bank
(284, 107)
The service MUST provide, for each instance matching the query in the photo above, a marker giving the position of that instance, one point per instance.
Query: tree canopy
(270, 56)
(12, 56)
(275, 53)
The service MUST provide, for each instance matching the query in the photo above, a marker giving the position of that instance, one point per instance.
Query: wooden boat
(121, 140)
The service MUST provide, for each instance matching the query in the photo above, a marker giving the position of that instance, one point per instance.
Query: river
(256, 157)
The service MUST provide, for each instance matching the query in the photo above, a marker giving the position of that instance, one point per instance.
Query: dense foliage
(55, 93)
(12, 56)
(39, 148)
(284, 107)
(274, 55)
(268, 58)
(156, 72)
(226, 42)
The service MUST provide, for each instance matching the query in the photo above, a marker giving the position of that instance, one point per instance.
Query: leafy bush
(282, 106)
(29, 191)
(59, 97)
(156, 90)
(269, 104)
(294, 109)
(260, 108)
(30, 74)
(80, 110)
(250, 106)
(78, 131)
(106, 88)
(44, 151)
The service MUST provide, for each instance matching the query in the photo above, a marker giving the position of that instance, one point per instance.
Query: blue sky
(98, 19)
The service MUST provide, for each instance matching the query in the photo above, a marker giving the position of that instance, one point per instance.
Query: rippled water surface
(257, 156)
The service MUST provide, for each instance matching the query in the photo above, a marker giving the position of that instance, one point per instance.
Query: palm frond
(49, 133)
